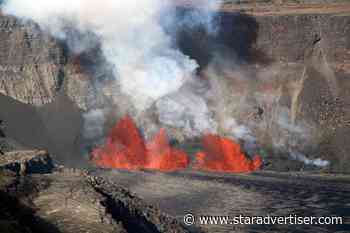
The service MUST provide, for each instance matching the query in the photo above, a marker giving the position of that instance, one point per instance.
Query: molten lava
(126, 149)
(224, 155)
(163, 157)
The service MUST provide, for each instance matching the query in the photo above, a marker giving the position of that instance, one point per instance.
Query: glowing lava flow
(126, 149)
(163, 157)
(224, 155)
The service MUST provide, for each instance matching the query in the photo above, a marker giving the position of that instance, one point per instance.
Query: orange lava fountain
(224, 155)
(126, 149)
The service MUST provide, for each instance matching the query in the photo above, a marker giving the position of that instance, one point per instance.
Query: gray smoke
(248, 105)
(93, 125)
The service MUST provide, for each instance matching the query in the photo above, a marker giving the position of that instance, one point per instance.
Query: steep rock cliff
(34, 66)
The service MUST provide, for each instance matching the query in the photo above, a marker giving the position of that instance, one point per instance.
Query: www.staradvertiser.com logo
(190, 219)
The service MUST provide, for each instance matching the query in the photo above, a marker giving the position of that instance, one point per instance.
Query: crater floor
(258, 194)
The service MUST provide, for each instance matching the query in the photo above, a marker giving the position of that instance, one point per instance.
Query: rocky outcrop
(26, 162)
(136, 215)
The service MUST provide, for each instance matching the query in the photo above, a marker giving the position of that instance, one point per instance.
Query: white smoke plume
(315, 162)
(147, 66)
(187, 110)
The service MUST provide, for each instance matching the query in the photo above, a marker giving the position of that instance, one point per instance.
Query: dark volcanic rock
(26, 162)
(257, 194)
(8, 222)
(136, 215)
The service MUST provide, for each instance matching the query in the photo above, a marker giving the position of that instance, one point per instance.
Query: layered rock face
(313, 53)
(34, 66)
(30, 62)
(312, 56)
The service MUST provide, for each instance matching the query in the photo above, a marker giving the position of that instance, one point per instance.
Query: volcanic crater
(261, 127)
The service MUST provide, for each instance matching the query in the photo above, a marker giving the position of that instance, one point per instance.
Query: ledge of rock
(136, 215)
(27, 162)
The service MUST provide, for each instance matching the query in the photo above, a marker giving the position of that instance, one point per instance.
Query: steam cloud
(147, 66)
(187, 110)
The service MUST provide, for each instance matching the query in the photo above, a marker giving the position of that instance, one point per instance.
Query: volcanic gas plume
(126, 149)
